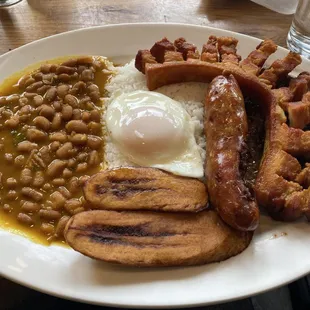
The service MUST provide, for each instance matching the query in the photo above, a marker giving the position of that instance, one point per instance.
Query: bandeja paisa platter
(192, 151)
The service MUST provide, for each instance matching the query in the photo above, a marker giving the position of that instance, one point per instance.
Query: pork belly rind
(283, 180)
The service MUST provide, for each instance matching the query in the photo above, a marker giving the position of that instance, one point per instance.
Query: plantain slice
(154, 239)
(144, 189)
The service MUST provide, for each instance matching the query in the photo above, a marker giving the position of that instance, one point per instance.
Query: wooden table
(34, 19)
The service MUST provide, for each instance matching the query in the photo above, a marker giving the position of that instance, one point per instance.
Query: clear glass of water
(8, 2)
(298, 39)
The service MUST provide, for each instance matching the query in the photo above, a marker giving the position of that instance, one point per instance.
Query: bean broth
(51, 141)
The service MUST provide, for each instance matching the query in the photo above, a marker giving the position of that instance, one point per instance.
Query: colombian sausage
(226, 129)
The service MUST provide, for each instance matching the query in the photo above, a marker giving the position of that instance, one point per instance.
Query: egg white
(176, 151)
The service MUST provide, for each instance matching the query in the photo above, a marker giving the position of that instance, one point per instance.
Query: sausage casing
(226, 129)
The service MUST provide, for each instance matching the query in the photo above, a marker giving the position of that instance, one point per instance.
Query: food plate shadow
(109, 274)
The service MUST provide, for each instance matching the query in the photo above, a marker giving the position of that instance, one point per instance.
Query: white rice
(190, 95)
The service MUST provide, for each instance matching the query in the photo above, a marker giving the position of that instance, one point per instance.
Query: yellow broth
(51, 141)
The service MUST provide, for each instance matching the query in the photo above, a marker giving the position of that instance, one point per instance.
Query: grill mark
(100, 189)
(112, 241)
(105, 240)
(121, 192)
(125, 230)
(112, 179)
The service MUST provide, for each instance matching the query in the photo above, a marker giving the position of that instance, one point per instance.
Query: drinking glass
(8, 2)
(298, 39)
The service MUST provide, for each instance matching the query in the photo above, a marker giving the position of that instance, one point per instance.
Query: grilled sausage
(226, 129)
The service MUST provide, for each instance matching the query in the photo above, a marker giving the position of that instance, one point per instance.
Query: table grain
(31, 20)
(35, 19)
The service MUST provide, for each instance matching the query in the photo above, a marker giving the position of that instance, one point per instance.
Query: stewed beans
(51, 141)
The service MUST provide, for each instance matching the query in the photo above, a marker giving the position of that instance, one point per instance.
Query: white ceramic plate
(278, 254)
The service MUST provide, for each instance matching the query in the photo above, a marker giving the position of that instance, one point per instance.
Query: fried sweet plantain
(144, 189)
(154, 238)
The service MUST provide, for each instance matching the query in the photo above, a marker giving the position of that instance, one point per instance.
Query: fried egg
(152, 130)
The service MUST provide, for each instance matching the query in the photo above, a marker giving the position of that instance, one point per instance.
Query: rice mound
(190, 95)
